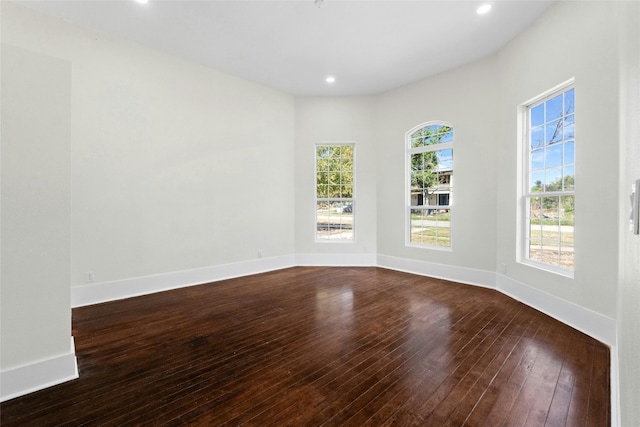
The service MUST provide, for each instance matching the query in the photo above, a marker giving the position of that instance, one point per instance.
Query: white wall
(466, 98)
(573, 39)
(339, 119)
(629, 291)
(36, 208)
(175, 166)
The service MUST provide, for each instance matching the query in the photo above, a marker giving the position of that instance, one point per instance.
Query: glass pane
(334, 178)
(447, 137)
(567, 206)
(535, 208)
(443, 227)
(569, 178)
(569, 127)
(536, 180)
(553, 179)
(417, 141)
(417, 226)
(537, 159)
(553, 108)
(569, 155)
(322, 191)
(553, 156)
(550, 210)
(347, 191)
(554, 132)
(537, 137)
(445, 160)
(334, 191)
(569, 101)
(537, 115)
(334, 220)
(567, 257)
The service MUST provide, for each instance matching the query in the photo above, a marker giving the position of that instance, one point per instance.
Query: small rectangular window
(549, 165)
(335, 192)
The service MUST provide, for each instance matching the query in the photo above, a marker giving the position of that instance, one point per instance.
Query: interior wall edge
(39, 375)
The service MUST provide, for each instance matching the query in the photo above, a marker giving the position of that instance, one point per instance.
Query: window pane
(445, 160)
(537, 137)
(553, 179)
(536, 181)
(334, 220)
(553, 132)
(569, 179)
(431, 227)
(553, 108)
(553, 156)
(569, 127)
(537, 159)
(537, 115)
(569, 156)
(569, 101)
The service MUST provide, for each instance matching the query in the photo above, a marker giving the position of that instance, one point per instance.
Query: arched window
(429, 187)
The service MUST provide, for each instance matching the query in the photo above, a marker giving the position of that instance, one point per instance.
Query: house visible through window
(429, 179)
(334, 192)
(549, 181)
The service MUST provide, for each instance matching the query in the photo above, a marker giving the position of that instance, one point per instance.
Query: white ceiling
(369, 46)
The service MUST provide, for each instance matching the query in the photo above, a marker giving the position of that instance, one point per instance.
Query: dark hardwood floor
(324, 346)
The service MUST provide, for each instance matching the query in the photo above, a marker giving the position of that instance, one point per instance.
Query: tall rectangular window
(549, 197)
(429, 185)
(335, 192)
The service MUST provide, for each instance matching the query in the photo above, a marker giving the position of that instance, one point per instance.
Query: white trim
(470, 276)
(36, 376)
(136, 286)
(615, 386)
(336, 260)
(596, 325)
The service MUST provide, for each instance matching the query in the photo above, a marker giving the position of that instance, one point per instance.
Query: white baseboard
(594, 324)
(470, 276)
(336, 260)
(36, 376)
(136, 286)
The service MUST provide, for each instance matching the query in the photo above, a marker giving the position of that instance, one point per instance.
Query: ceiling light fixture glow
(485, 8)
(330, 79)
(142, 1)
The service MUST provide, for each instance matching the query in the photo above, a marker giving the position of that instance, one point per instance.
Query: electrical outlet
(88, 277)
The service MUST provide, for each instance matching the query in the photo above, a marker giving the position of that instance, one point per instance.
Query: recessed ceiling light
(485, 8)
(330, 79)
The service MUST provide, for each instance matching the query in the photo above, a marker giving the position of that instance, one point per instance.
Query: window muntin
(335, 192)
(429, 189)
(549, 197)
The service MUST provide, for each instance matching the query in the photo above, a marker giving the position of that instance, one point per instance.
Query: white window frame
(409, 151)
(525, 191)
(320, 199)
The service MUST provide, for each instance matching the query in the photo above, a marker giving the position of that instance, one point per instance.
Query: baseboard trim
(469, 276)
(336, 260)
(594, 324)
(36, 376)
(137, 286)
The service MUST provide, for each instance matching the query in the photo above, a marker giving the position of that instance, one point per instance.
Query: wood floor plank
(324, 346)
